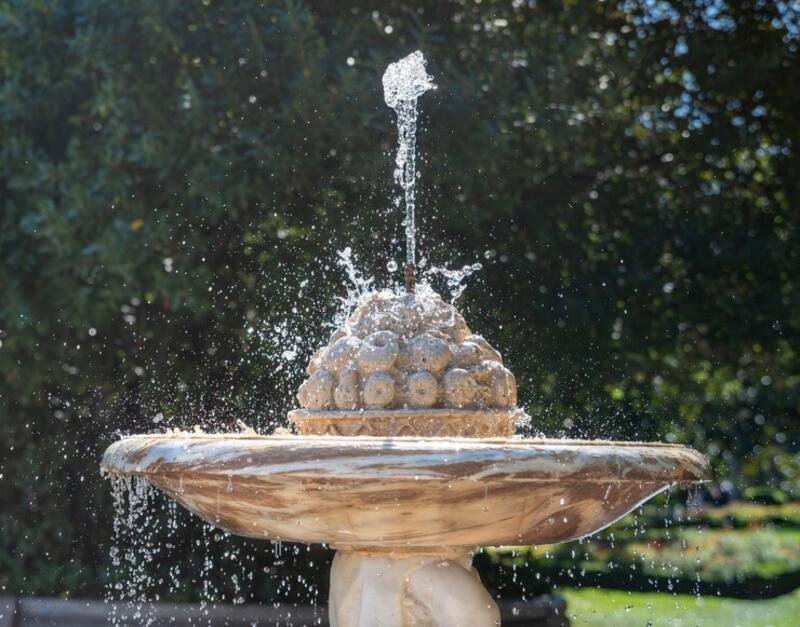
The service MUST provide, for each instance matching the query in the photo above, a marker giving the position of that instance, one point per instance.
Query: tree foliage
(177, 177)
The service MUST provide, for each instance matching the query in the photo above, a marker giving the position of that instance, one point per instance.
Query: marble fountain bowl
(403, 494)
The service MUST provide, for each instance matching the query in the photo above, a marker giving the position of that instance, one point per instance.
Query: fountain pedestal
(395, 590)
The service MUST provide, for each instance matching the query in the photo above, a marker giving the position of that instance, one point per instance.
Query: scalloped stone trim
(408, 422)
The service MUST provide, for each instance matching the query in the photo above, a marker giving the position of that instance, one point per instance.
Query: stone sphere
(422, 389)
(466, 355)
(487, 351)
(378, 390)
(340, 353)
(346, 394)
(496, 385)
(459, 388)
(428, 352)
(317, 391)
(377, 352)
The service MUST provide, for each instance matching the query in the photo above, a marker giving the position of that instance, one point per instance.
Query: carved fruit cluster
(407, 351)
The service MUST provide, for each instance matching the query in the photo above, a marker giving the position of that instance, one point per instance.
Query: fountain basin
(397, 495)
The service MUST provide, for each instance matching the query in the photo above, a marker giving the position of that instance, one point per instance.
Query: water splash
(133, 548)
(455, 279)
(403, 83)
(360, 284)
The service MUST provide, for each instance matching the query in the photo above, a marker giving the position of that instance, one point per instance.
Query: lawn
(756, 561)
(607, 608)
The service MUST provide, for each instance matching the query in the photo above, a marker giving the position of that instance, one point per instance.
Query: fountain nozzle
(411, 277)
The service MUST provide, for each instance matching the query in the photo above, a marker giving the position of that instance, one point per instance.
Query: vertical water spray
(403, 83)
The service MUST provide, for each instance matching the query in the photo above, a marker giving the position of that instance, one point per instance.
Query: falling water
(403, 83)
(133, 548)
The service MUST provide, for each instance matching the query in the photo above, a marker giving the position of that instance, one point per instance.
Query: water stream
(403, 83)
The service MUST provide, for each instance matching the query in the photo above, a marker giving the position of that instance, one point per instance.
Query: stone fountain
(405, 460)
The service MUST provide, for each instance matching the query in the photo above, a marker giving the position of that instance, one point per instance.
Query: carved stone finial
(407, 364)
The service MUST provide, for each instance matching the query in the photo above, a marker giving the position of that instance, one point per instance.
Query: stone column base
(388, 590)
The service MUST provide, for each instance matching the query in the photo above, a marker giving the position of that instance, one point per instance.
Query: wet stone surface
(407, 351)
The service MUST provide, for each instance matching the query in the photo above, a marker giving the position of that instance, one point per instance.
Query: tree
(177, 179)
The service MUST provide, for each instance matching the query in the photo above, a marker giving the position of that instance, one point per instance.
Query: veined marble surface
(404, 494)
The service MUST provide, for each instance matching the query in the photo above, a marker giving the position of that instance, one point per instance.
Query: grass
(720, 555)
(607, 608)
(752, 563)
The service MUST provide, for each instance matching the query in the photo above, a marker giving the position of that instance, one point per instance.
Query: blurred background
(177, 178)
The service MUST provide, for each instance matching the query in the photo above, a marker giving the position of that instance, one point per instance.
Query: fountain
(404, 457)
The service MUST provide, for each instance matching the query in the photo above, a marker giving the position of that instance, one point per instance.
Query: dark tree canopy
(172, 172)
